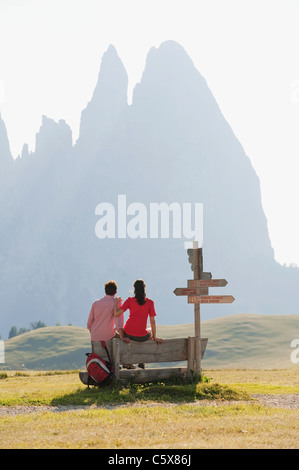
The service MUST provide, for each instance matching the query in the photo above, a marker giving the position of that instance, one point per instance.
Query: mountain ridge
(172, 144)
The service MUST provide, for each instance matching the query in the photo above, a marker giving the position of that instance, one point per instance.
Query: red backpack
(99, 370)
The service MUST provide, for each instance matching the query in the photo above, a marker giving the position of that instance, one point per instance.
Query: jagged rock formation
(171, 145)
(5, 154)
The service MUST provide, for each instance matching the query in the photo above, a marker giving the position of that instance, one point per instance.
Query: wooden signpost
(207, 283)
(191, 291)
(198, 293)
(210, 299)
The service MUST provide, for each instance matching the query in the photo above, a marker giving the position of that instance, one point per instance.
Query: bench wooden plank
(83, 376)
(152, 374)
(171, 350)
(142, 375)
(96, 347)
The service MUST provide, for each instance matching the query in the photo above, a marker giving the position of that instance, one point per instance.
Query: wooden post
(115, 349)
(197, 293)
(198, 269)
(190, 364)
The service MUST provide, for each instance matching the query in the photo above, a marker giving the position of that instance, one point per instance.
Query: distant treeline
(14, 331)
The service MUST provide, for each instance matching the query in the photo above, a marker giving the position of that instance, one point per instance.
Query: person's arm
(153, 327)
(120, 331)
(117, 311)
(119, 325)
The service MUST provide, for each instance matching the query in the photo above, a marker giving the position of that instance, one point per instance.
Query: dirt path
(290, 401)
(287, 401)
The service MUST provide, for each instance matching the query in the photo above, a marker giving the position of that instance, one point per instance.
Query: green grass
(159, 393)
(49, 348)
(260, 381)
(65, 389)
(154, 427)
(215, 413)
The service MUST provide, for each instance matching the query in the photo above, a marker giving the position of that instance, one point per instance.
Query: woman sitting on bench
(140, 308)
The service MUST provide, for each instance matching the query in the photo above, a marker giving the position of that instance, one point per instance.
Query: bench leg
(191, 355)
(115, 355)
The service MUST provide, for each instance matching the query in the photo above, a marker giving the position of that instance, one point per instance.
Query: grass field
(236, 341)
(55, 410)
(247, 357)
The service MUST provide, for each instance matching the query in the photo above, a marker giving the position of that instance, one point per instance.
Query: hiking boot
(129, 366)
(141, 365)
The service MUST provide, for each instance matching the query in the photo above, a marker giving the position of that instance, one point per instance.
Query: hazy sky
(247, 50)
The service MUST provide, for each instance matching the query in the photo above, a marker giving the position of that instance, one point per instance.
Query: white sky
(247, 50)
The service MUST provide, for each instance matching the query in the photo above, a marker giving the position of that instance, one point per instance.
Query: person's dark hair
(140, 294)
(110, 288)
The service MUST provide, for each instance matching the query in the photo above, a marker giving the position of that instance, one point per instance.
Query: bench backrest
(171, 350)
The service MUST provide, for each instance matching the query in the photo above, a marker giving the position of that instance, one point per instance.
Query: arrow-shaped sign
(191, 291)
(211, 299)
(207, 282)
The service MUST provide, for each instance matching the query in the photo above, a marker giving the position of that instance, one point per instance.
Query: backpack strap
(106, 349)
(100, 363)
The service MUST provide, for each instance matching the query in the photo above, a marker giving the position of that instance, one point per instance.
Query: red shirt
(137, 321)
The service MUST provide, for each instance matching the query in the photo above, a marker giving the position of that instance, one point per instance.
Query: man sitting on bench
(102, 323)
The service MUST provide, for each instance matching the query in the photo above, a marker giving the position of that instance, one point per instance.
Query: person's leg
(127, 338)
(141, 365)
(139, 339)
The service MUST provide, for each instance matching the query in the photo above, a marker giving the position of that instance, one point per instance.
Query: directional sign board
(191, 291)
(197, 292)
(210, 299)
(207, 282)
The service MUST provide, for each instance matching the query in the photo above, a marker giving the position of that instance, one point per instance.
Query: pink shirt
(101, 321)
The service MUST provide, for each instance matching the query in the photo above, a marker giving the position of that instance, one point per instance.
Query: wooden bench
(149, 352)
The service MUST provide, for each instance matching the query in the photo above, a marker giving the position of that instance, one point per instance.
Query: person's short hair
(110, 288)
